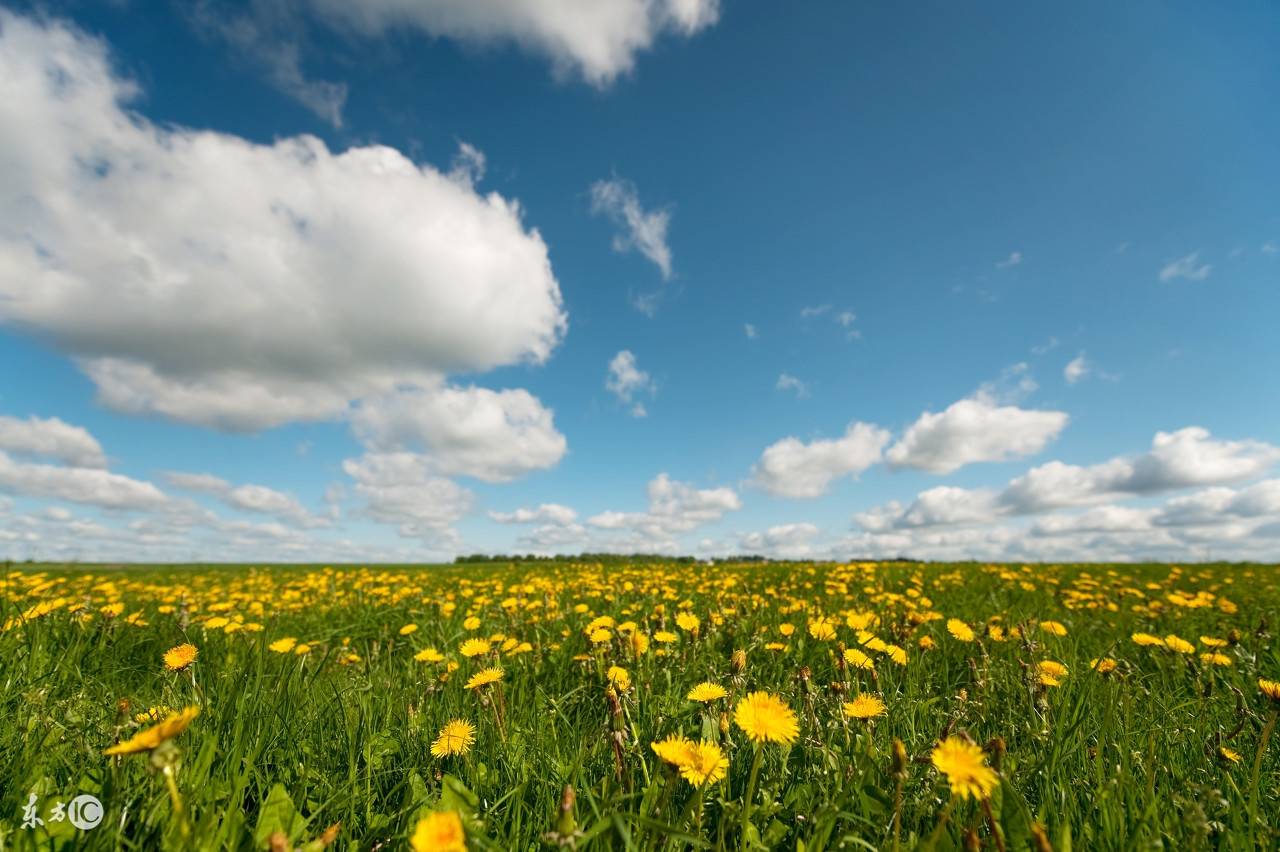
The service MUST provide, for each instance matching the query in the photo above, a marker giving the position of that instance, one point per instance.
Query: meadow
(642, 705)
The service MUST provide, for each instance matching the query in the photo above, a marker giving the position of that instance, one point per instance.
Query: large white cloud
(403, 489)
(249, 497)
(92, 486)
(495, 436)
(793, 468)
(1187, 458)
(972, 430)
(210, 279)
(51, 438)
(598, 39)
(674, 508)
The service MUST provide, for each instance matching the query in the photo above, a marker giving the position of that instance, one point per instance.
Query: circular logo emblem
(85, 812)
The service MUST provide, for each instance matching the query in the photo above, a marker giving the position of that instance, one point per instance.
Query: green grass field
(1117, 707)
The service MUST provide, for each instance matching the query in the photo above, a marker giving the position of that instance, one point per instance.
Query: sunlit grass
(521, 704)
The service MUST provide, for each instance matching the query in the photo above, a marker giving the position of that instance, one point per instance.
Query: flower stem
(1257, 770)
(751, 793)
(175, 799)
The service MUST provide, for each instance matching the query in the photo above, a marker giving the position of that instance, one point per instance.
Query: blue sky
(293, 281)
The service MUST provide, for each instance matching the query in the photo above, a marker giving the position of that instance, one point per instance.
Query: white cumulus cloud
(494, 436)
(213, 280)
(51, 438)
(596, 39)
(794, 468)
(548, 513)
(971, 430)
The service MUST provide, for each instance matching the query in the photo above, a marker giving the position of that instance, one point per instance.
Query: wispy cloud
(1188, 267)
(639, 229)
(627, 381)
(1013, 259)
(788, 382)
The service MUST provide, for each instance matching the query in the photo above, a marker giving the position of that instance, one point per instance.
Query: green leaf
(278, 814)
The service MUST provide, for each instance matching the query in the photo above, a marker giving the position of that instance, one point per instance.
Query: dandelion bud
(739, 661)
(899, 761)
(1040, 838)
(566, 825)
(724, 724)
(997, 748)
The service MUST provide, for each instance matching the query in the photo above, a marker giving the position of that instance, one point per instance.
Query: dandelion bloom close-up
(485, 677)
(865, 706)
(707, 692)
(439, 831)
(764, 717)
(456, 737)
(703, 763)
(180, 657)
(959, 630)
(965, 766)
(152, 737)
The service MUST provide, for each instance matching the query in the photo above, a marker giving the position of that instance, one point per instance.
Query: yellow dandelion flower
(455, 737)
(471, 623)
(865, 707)
(674, 749)
(927, 643)
(1213, 642)
(687, 622)
(706, 692)
(966, 768)
(703, 763)
(858, 660)
(1182, 646)
(1215, 659)
(959, 630)
(440, 831)
(897, 654)
(474, 647)
(665, 637)
(1229, 755)
(1146, 640)
(764, 717)
(302, 648)
(179, 657)
(1054, 628)
(408, 628)
(152, 714)
(283, 646)
(152, 737)
(1102, 666)
(429, 655)
(1270, 688)
(786, 629)
(485, 677)
(822, 629)
(619, 677)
